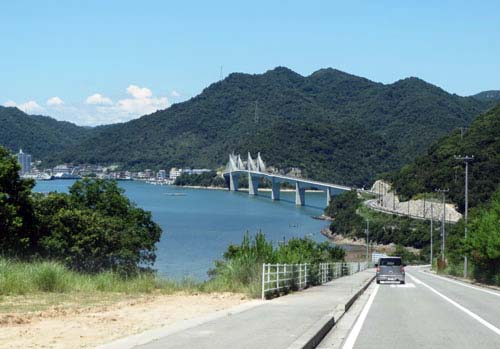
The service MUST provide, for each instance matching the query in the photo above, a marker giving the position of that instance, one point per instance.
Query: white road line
(462, 308)
(407, 285)
(462, 284)
(353, 335)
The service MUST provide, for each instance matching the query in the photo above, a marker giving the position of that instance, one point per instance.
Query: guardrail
(283, 277)
(277, 278)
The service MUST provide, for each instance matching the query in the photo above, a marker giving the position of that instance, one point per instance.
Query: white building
(174, 173)
(25, 162)
(196, 171)
(161, 175)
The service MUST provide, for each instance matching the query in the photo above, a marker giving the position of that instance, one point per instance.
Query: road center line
(461, 284)
(353, 335)
(462, 308)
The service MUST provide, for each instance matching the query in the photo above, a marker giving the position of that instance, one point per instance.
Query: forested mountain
(332, 125)
(488, 96)
(439, 169)
(38, 135)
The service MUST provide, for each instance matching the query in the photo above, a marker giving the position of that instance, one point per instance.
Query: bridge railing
(282, 278)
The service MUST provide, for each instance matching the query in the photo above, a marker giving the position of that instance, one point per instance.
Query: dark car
(390, 269)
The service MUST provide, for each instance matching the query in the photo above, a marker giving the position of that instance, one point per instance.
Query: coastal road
(429, 311)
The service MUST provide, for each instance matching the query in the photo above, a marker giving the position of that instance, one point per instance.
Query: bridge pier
(300, 195)
(233, 181)
(328, 196)
(253, 185)
(276, 186)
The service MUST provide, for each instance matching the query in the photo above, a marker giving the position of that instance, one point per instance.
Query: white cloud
(142, 101)
(55, 101)
(141, 106)
(98, 109)
(175, 94)
(10, 104)
(30, 107)
(27, 107)
(138, 92)
(98, 99)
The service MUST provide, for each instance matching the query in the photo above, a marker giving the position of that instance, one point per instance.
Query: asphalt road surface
(427, 312)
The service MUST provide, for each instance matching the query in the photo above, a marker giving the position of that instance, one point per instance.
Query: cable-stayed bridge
(255, 169)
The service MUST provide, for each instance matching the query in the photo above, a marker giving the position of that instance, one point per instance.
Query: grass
(42, 285)
(23, 278)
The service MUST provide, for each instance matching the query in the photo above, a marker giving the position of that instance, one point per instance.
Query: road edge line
(312, 337)
(461, 283)
(459, 306)
(356, 329)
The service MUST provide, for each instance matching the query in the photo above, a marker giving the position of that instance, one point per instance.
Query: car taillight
(378, 269)
(402, 269)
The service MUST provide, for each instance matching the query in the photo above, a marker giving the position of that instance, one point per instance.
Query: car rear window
(390, 261)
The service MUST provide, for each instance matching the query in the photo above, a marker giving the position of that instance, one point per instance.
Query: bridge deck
(289, 179)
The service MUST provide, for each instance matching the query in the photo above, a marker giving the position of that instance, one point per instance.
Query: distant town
(31, 169)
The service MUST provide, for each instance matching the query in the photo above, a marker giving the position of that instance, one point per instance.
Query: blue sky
(108, 61)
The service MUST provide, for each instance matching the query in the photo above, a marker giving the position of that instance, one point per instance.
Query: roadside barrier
(278, 278)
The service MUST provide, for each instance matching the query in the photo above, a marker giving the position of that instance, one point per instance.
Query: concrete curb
(318, 331)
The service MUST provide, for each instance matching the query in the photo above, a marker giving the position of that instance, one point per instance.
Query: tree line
(92, 228)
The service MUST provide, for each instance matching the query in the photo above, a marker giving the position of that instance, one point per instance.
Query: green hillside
(38, 135)
(333, 125)
(488, 96)
(439, 169)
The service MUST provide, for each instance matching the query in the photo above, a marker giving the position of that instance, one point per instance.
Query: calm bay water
(198, 224)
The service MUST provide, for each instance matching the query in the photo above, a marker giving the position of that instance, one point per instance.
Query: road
(428, 312)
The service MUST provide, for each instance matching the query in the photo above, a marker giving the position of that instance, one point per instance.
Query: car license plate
(391, 279)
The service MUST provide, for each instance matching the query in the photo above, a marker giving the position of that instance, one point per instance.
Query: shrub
(241, 267)
(50, 277)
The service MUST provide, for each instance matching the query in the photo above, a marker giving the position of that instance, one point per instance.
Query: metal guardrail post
(263, 279)
(278, 277)
(305, 272)
(285, 276)
(300, 276)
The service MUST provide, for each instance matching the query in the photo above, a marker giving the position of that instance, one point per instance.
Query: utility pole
(367, 238)
(443, 233)
(466, 159)
(432, 228)
(462, 132)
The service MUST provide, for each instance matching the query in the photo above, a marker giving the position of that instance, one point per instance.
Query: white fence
(277, 278)
(283, 277)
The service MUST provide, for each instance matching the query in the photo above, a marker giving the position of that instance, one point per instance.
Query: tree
(483, 241)
(342, 209)
(16, 209)
(95, 227)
